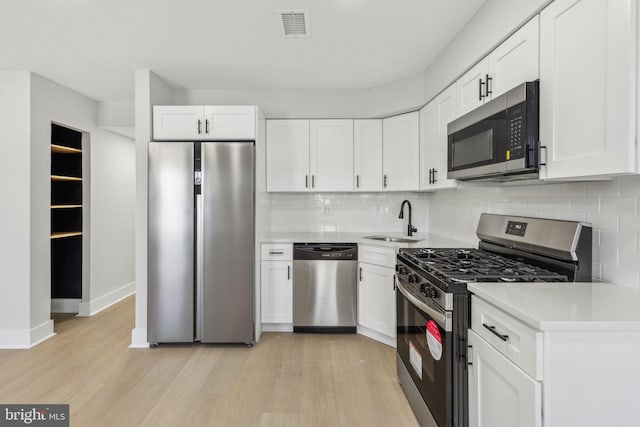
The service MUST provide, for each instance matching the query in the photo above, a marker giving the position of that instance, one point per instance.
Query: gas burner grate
(475, 265)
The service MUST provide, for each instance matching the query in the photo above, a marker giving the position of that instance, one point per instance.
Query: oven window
(474, 149)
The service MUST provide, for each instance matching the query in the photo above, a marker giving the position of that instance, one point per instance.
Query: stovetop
(475, 265)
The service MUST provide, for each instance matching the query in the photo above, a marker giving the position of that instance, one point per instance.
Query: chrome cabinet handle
(306, 181)
(199, 127)
(434, 175)
(480, 94)
(276, 253)
(385, 181)
(488, 90)
(357, 181)
(492, 329)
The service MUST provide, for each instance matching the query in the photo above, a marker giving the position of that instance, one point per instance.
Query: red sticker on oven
(434, 340)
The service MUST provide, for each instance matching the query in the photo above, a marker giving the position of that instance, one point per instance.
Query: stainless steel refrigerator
(201, 242)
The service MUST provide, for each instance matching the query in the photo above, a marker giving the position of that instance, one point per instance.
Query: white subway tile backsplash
(611, 206)
(585, 204)
(619, 205)
(605, 222)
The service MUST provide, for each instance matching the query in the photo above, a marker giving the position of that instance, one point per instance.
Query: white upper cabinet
(471, 87)
(310, 155)
(588, 88)
(175, 123)
(204, 123)
(367, 140)
(401, 152)
(229, 122)
(515, 61)
(331, 155)
(434, 118)
(288, 155)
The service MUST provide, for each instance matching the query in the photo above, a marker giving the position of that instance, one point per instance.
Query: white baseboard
(26, 338)
(370, 333)
(139, 338)
(87, 309)
(42, 332)
(277, 327)
(65, 305)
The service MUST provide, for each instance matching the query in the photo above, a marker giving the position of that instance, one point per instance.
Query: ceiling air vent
(295, 23)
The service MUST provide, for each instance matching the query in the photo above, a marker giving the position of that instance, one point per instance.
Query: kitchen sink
(394, 239)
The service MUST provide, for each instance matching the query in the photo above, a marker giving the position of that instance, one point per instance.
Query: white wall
(150, 90)
(611, 206)
(112, 218)
(350, 212)
(110, 262)
(15, 148)
(493, 22)
(283, 103)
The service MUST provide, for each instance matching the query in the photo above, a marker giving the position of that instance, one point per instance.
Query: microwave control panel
(516, 139)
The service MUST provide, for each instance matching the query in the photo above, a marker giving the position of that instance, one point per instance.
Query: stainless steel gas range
(433, 304)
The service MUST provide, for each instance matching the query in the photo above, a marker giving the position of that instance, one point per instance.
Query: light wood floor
(284, 380)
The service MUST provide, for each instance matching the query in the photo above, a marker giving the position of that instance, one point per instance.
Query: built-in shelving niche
(66, 213)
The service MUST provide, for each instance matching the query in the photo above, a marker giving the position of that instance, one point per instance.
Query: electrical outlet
(327, 210)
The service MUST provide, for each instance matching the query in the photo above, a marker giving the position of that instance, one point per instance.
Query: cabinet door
(401, 152)
(428, 144)
(516, 60)
(471, 89)
(288, 155)
(447, 112)
(587, 88)
(178, 123)
(331, 157)
(377, 299)
(230, 123)
(277, 292)
(500, 393)
(367, 139)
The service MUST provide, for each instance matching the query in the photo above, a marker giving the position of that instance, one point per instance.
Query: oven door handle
(441, 317)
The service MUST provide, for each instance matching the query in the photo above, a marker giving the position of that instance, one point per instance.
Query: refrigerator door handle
(199, 260)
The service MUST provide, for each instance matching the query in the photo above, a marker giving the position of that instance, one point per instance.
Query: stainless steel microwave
(499, 140)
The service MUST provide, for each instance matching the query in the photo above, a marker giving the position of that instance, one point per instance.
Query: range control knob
(430, 292)
(413, 278)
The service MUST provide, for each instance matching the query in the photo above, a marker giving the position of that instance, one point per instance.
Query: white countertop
(566, 306)
(428, 240)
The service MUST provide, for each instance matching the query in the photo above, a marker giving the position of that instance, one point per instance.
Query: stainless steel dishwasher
(324, 287)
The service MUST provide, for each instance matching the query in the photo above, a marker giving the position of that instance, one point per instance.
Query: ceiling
(93, 46)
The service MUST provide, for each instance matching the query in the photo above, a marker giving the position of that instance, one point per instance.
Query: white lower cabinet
(500, 393)
(568, 374)
(276, 279)
(376, 294)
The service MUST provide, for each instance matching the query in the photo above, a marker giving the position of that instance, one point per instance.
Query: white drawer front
(516, 341)
(277, 252)
(385, 257)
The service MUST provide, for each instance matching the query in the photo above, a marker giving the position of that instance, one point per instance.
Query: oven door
(425, 346)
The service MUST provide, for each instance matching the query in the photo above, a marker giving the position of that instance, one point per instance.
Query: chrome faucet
(410, 227)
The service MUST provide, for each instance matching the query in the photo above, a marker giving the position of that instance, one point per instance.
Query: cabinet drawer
(513, 339)
(277, 252)
(385, 257)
